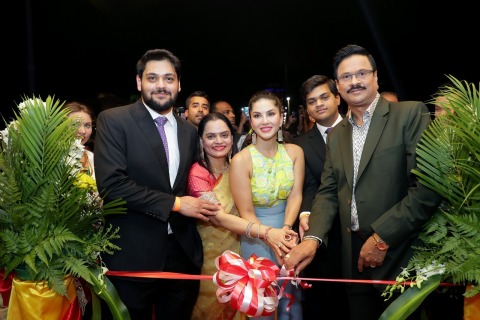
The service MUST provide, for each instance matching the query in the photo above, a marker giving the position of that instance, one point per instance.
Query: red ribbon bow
(248, 285)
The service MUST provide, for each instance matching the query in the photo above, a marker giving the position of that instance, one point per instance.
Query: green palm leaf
(448, 162)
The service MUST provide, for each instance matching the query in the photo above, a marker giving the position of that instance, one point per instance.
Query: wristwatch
(379, 243)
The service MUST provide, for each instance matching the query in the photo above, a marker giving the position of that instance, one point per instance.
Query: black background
(76, 49)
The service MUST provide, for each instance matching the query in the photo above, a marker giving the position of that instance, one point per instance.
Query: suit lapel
(377, 125)
(346, 149)
(183, 148)
(317, 142)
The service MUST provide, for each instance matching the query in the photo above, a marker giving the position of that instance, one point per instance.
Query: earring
(280, 135)
(202, 156)
(254, 138)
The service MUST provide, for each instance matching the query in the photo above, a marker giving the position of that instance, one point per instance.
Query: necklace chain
(221, 170)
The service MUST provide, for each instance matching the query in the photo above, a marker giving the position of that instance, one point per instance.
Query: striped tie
(161, 122)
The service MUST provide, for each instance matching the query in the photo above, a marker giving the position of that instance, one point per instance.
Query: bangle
(319, 241)
(176, 205)
(288, 225)
(258, 232)
(305, 213)
(247, 231)
(266, 232)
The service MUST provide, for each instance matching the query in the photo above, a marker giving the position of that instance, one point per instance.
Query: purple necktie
(328, 130)
(161, 123)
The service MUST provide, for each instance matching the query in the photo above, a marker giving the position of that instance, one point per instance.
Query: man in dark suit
(367, 181)
(321, 100)
(135, 162)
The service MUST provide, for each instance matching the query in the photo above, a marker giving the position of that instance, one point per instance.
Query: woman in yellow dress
(209, 179)
(268, 176)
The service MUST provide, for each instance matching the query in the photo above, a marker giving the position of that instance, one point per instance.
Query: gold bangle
(176, 205)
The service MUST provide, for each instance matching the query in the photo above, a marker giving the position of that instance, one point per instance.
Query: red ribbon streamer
(250, 286)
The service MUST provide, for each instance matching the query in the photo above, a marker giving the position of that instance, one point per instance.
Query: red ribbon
(248, 285)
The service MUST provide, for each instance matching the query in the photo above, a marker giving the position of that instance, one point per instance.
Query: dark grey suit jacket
(390, 200)
(130, 163)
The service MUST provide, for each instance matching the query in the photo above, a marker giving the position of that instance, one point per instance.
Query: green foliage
(448, 159)
(49, 226)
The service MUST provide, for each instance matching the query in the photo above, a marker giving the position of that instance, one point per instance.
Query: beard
(159, 107)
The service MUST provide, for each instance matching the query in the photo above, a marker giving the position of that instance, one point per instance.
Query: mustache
(356, 87)
(165, 91)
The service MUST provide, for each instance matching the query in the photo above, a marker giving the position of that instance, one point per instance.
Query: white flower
(23, 106)
(430, 270)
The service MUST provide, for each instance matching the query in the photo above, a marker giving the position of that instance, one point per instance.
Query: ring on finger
(280, 244)
(287, 237)
(372, 266)
(287, 256)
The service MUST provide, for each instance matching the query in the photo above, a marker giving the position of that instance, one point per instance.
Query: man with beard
(143, 155)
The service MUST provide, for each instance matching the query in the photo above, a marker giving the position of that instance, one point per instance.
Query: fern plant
(51, 221)
(448, 159)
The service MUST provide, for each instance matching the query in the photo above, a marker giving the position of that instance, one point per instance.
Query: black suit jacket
(314, 150)
(131, 164)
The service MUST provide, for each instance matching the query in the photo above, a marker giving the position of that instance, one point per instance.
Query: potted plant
(51, 217)
(448, 158)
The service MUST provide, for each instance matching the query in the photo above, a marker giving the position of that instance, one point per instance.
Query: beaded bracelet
(266, 232)
(247, 232)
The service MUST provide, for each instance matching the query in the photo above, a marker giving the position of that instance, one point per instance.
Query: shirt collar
(323, 128)
(154, 114)
(370, 110)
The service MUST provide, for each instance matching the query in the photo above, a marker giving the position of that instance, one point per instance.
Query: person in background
(143, 154)
(292, 124)
(266, 180)
(321, 98)
(389, 95)
(83, 117)
(226, 109)
(209, 179)
(440, 101)
(197, 106)
(367, 180)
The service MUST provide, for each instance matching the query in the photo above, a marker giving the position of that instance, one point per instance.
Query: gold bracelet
(176, 205)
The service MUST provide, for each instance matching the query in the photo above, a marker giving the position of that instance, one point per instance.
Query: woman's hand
(281, 241)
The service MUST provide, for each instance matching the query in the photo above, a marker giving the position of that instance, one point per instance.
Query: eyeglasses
(360, 75)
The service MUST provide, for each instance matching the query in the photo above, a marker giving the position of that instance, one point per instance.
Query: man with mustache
(367, 181)
(143, 154)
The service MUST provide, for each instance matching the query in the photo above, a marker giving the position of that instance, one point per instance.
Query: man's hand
(197, 208)
(303, 225)
(370, 255)
(300, 256)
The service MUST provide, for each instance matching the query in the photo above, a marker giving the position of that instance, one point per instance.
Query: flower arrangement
(448, 157)
(51, 216)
